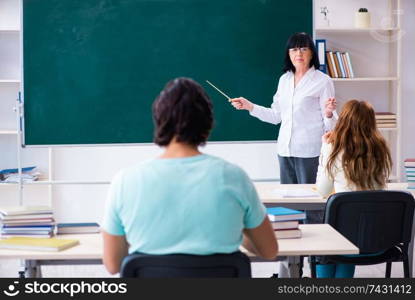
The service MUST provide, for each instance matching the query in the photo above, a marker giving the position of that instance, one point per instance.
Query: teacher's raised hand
(330, 106)
(242, 103)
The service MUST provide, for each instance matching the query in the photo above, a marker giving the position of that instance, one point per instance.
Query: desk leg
(32, 269)
(290, 268)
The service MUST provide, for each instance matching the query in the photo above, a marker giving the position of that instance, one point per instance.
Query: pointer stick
(227, 97)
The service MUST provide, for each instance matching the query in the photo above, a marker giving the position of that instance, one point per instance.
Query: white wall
(408, 80)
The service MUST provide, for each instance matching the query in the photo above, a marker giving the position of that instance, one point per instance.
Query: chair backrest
(186, 266)
(372, 220)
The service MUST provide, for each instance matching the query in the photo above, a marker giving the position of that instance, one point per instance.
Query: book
(329, 65)
(346, 67)
(27, 234)
(24, 210)
(288, 233)
(47, 221)
(335, 74)
(11, 171)
(68, 228)
(321, 50)
(339, 59)
(26, 217)
(409, 162)
(285, 225)
(386, 125)
(37, 244)
(385, 115)
(337, 64)
(349, 64)
(284, 214)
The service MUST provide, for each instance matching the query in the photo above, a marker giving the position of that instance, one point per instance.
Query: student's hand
(330, 107)
(242, 103)
(327, 137)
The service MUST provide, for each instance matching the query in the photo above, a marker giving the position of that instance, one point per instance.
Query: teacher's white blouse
(300, 111)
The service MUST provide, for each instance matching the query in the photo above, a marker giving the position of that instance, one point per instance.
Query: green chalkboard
(92, 68)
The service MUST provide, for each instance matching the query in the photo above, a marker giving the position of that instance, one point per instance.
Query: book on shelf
(409, 162)
(339, 64)
(385, 116)
(288, 233)
(339, 59)
(285, 225)
(29, 174)
(321, 50)
(330, 64)
(345, 64)
(385, 121)
(390, 125)
(74, 228)
(37, 244)
(284, 214)
(349, 64)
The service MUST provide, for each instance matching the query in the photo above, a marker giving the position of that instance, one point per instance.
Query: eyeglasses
(302, 49)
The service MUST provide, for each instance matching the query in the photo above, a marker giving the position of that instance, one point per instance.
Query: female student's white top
(300, 111)
(327, 185)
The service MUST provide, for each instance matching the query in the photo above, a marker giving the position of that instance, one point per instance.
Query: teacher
(304, 104)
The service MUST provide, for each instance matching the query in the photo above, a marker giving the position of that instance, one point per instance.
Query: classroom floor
(10, 268)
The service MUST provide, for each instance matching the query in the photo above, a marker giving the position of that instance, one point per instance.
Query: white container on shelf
(362, 19)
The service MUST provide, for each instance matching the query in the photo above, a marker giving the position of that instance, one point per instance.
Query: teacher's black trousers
(299, 170)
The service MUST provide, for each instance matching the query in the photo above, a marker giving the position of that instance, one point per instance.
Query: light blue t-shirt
(193, 205)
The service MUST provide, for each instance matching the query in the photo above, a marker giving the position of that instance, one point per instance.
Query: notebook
(276, 214)
(37, 244)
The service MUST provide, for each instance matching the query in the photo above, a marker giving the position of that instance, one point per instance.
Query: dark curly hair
(183, 111)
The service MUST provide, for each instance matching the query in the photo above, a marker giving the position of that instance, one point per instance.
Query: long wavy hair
(365, 156)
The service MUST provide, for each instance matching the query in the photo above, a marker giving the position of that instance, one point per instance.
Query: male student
(184, 201)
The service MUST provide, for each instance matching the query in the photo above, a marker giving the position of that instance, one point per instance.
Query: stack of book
(410, 172)
(75, 228)
(339, 64)
(26, 221)
(285, 221)
(385, 120)
(29, 174)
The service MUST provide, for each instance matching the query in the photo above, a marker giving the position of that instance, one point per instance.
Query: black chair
(186, 266)
(374, 221)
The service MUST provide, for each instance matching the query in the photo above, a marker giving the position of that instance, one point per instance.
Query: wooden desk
(270, 198)
(317, 239)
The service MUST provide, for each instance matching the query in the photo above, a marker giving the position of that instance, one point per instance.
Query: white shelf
(9, 81)
(388, 129)
(351, 30)
(366, 79)
(16, 30)
(2, 184)
(54, 182)
(8, 132)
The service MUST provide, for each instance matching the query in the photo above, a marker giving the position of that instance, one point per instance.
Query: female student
(305, 107)
(183, 201)
(354, 157)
